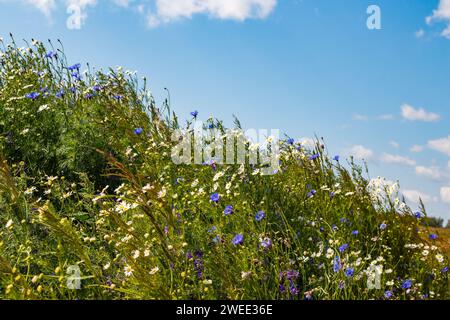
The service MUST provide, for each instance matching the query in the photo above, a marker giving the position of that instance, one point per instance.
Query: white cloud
(396, 159)
(158, 12)
(433, 173)
(45, 6)
(417, 148)
(386, 117)
(415, 196)
(419, 34)
(445, 194)
(412, 114)
(171, 10)
(77, 12)
(394, 144)
(448, 165)
(442, 13)
(360, 117)
(361, 152)
(123, 3)
(441, 145)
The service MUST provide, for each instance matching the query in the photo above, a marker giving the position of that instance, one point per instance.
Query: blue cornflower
(407, 284)
(60, 93)
(118, 97)
(138, 131)
(238, 239)
(433, 236)
(314, 157)
(212, 229)
(444, 270)
(96, 87)
(228, 210)
(32, 95)
(332, 194)
(89, 96)
(337, 264)
(194, 114)
(50, 54)
(388, 294)
(343, 220)
(290, 141)
(76, 76)
(292, 275)
(265, 243)
(336, 158)
(383, 226)
(282, 288)
(294, 290)
(349, 272)
(215, 197)
(343, 247)
(260, 215)
(418, 215)
(311, 193)
(355, 232)
(74, 67)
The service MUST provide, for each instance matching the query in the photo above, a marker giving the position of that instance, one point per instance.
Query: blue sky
(305, 67)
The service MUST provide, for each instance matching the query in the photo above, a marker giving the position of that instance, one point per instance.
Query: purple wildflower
(238, 239)
(215, 197)
(33, 95)
(433, 236)
(407, 284)
(228, 210)
(138, 131)
(259, 216)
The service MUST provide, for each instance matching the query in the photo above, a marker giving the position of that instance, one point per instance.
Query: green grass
(79, 187)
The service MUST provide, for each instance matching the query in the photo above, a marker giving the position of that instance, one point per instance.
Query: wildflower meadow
(93, 206)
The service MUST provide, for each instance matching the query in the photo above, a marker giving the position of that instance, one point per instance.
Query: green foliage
(433, 222)
(79, 187)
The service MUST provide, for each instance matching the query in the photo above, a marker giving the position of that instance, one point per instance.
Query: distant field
(443, 240)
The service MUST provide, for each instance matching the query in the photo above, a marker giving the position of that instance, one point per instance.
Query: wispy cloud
(397, 159)
(360, 117)
(159, 12)
(445, 194)
(419, 34)
(432, 173)
(442, 145)
(417, 148)
(442, 13)
(394, 144)
(166, 11)
(45, 6)
(386, 117)
(361, 152)
(418, 114)
(415, 196)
